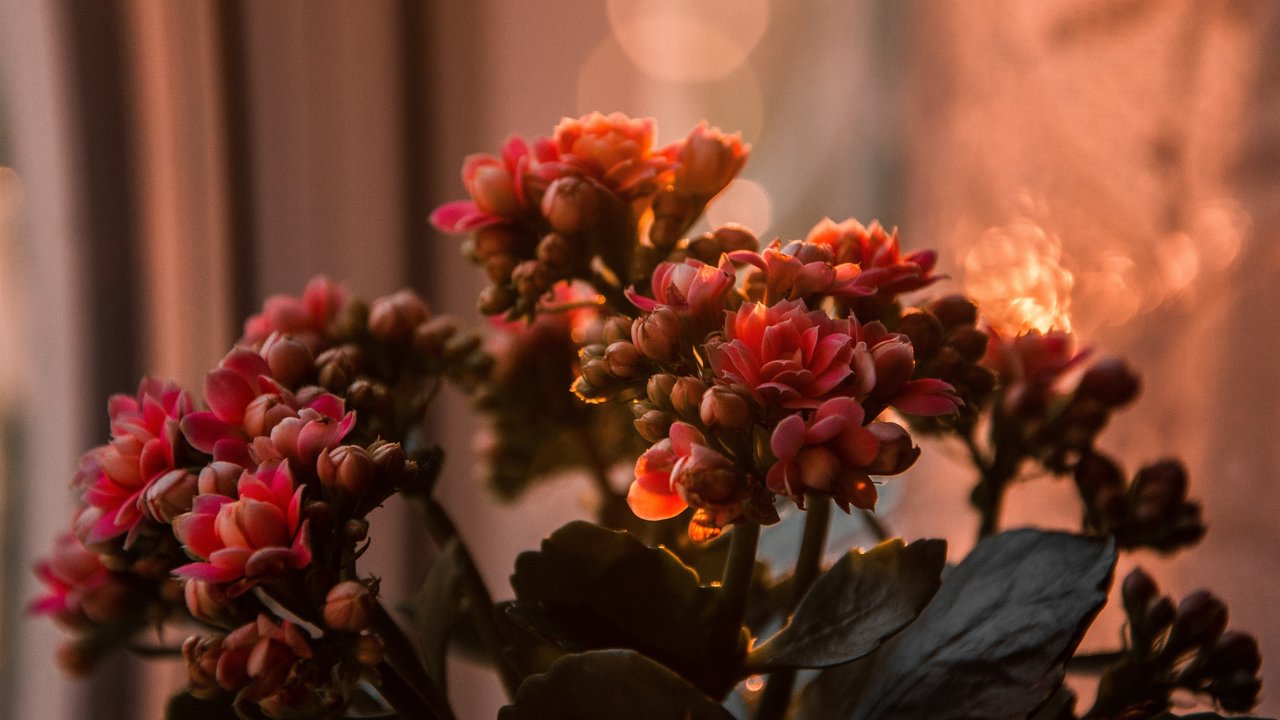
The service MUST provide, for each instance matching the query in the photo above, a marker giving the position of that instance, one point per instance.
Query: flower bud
(970, 342)
(265, 412)
(208, 603)
(219, 478)
(733, 237)
(657, 334)
(459, 347)
(201, 655)
(531, 280)
(653, 425)
(1236, 652)
(369, 650)
(954, 311)
(896, 454)
(347, 468)
(291, 362)
(355, 530)
(492, 189)
(704, 477)
(924, 331)
(493, 240)
(709, 160)
(338, 367)
(571, 204)
(724, 408)
(389, 460)
(430, 337)
(556, 251)
(1200, 621)
(686, 397)
(659, 389)
(894, 363)
(349, 606)
(1110, 381)
(596, 373)
(1157, 491)
(1138, 592)
(393, 318)
(617, 327)
(623, 360)
(170, 495)
(498, 268)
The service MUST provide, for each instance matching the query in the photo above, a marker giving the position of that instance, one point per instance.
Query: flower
(691, 288)
(681, 471)
(878, 253)
(800, 269)
(304, 318)
(785, 354)
(259, 656)
(501, 188)
(246, 540)
(144, 441)
(79, 587)
(1032, 367)
(707, 161)
(613, 149)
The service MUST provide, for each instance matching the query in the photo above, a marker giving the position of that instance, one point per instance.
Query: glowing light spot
(609, 81)
(1015, 273)
(688, 41)
(743, 202)
(1219, 227)
(1178, 261)
(755, 683)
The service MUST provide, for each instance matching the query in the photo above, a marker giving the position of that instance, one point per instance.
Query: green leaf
(185, 706)
(591, 588)
(855, 605)
(614, 684)
(991, 644)
(434, 610)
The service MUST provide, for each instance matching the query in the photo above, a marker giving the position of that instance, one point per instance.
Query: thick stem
(736, 582)
(777, 694)
(402, 697)
(479, 601)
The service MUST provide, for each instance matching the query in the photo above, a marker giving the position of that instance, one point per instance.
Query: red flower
(501, 188)
(615, 150)
(878, 254)
(707, 161)
(681, 471)
(800, 269)
(691, 287)
(114, 477)
(78, 586)
(256, 537)
(1033, 368)
(785, 354)
(259, 656)
(304, 318)
(834, 453)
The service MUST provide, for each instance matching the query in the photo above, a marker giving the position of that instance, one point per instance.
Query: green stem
(736, 582)
(777, 694)
(479, 601)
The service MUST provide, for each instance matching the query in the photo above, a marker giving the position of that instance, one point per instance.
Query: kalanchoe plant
(747, 386)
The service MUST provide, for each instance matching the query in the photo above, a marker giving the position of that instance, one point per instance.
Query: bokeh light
(688, 41)
(1015, 272)
(746, 203)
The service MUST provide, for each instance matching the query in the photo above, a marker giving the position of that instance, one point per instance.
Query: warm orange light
(1015, 273)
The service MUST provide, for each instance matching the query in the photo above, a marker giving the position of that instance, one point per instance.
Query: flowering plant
(749, 386)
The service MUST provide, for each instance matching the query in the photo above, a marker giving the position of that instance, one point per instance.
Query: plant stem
(736, 582)
(479, 601)
(875, 525)
(403, 698)
(777, 694)
(404, 660)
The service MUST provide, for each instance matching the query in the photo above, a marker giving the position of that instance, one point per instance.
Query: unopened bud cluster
(1152, 510)
(1178, 647)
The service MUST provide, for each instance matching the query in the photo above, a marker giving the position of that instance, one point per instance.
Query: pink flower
(802, 269)
(1033, 368)
(681, 471)
(615, 150)
(259, 656)
(245, 403)
(501, 188)
(878, 254)
(255, 537)
(79, 587)
(144, 439)
(707, 161)
(785, 354)
(305, 318)
(834, 453)
(893, 358)
(691, 287)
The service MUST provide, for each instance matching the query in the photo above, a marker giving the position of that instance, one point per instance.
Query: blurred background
(1112, 166)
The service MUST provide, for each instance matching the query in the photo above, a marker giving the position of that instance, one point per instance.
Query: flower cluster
(264, 488)
(595, 201)
(768, 386)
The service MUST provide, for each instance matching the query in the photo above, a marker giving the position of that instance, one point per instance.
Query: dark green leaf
(991, 644)
(613, 684)
(592, 588)
(436, 607)
(855, 605)
(185, 706)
